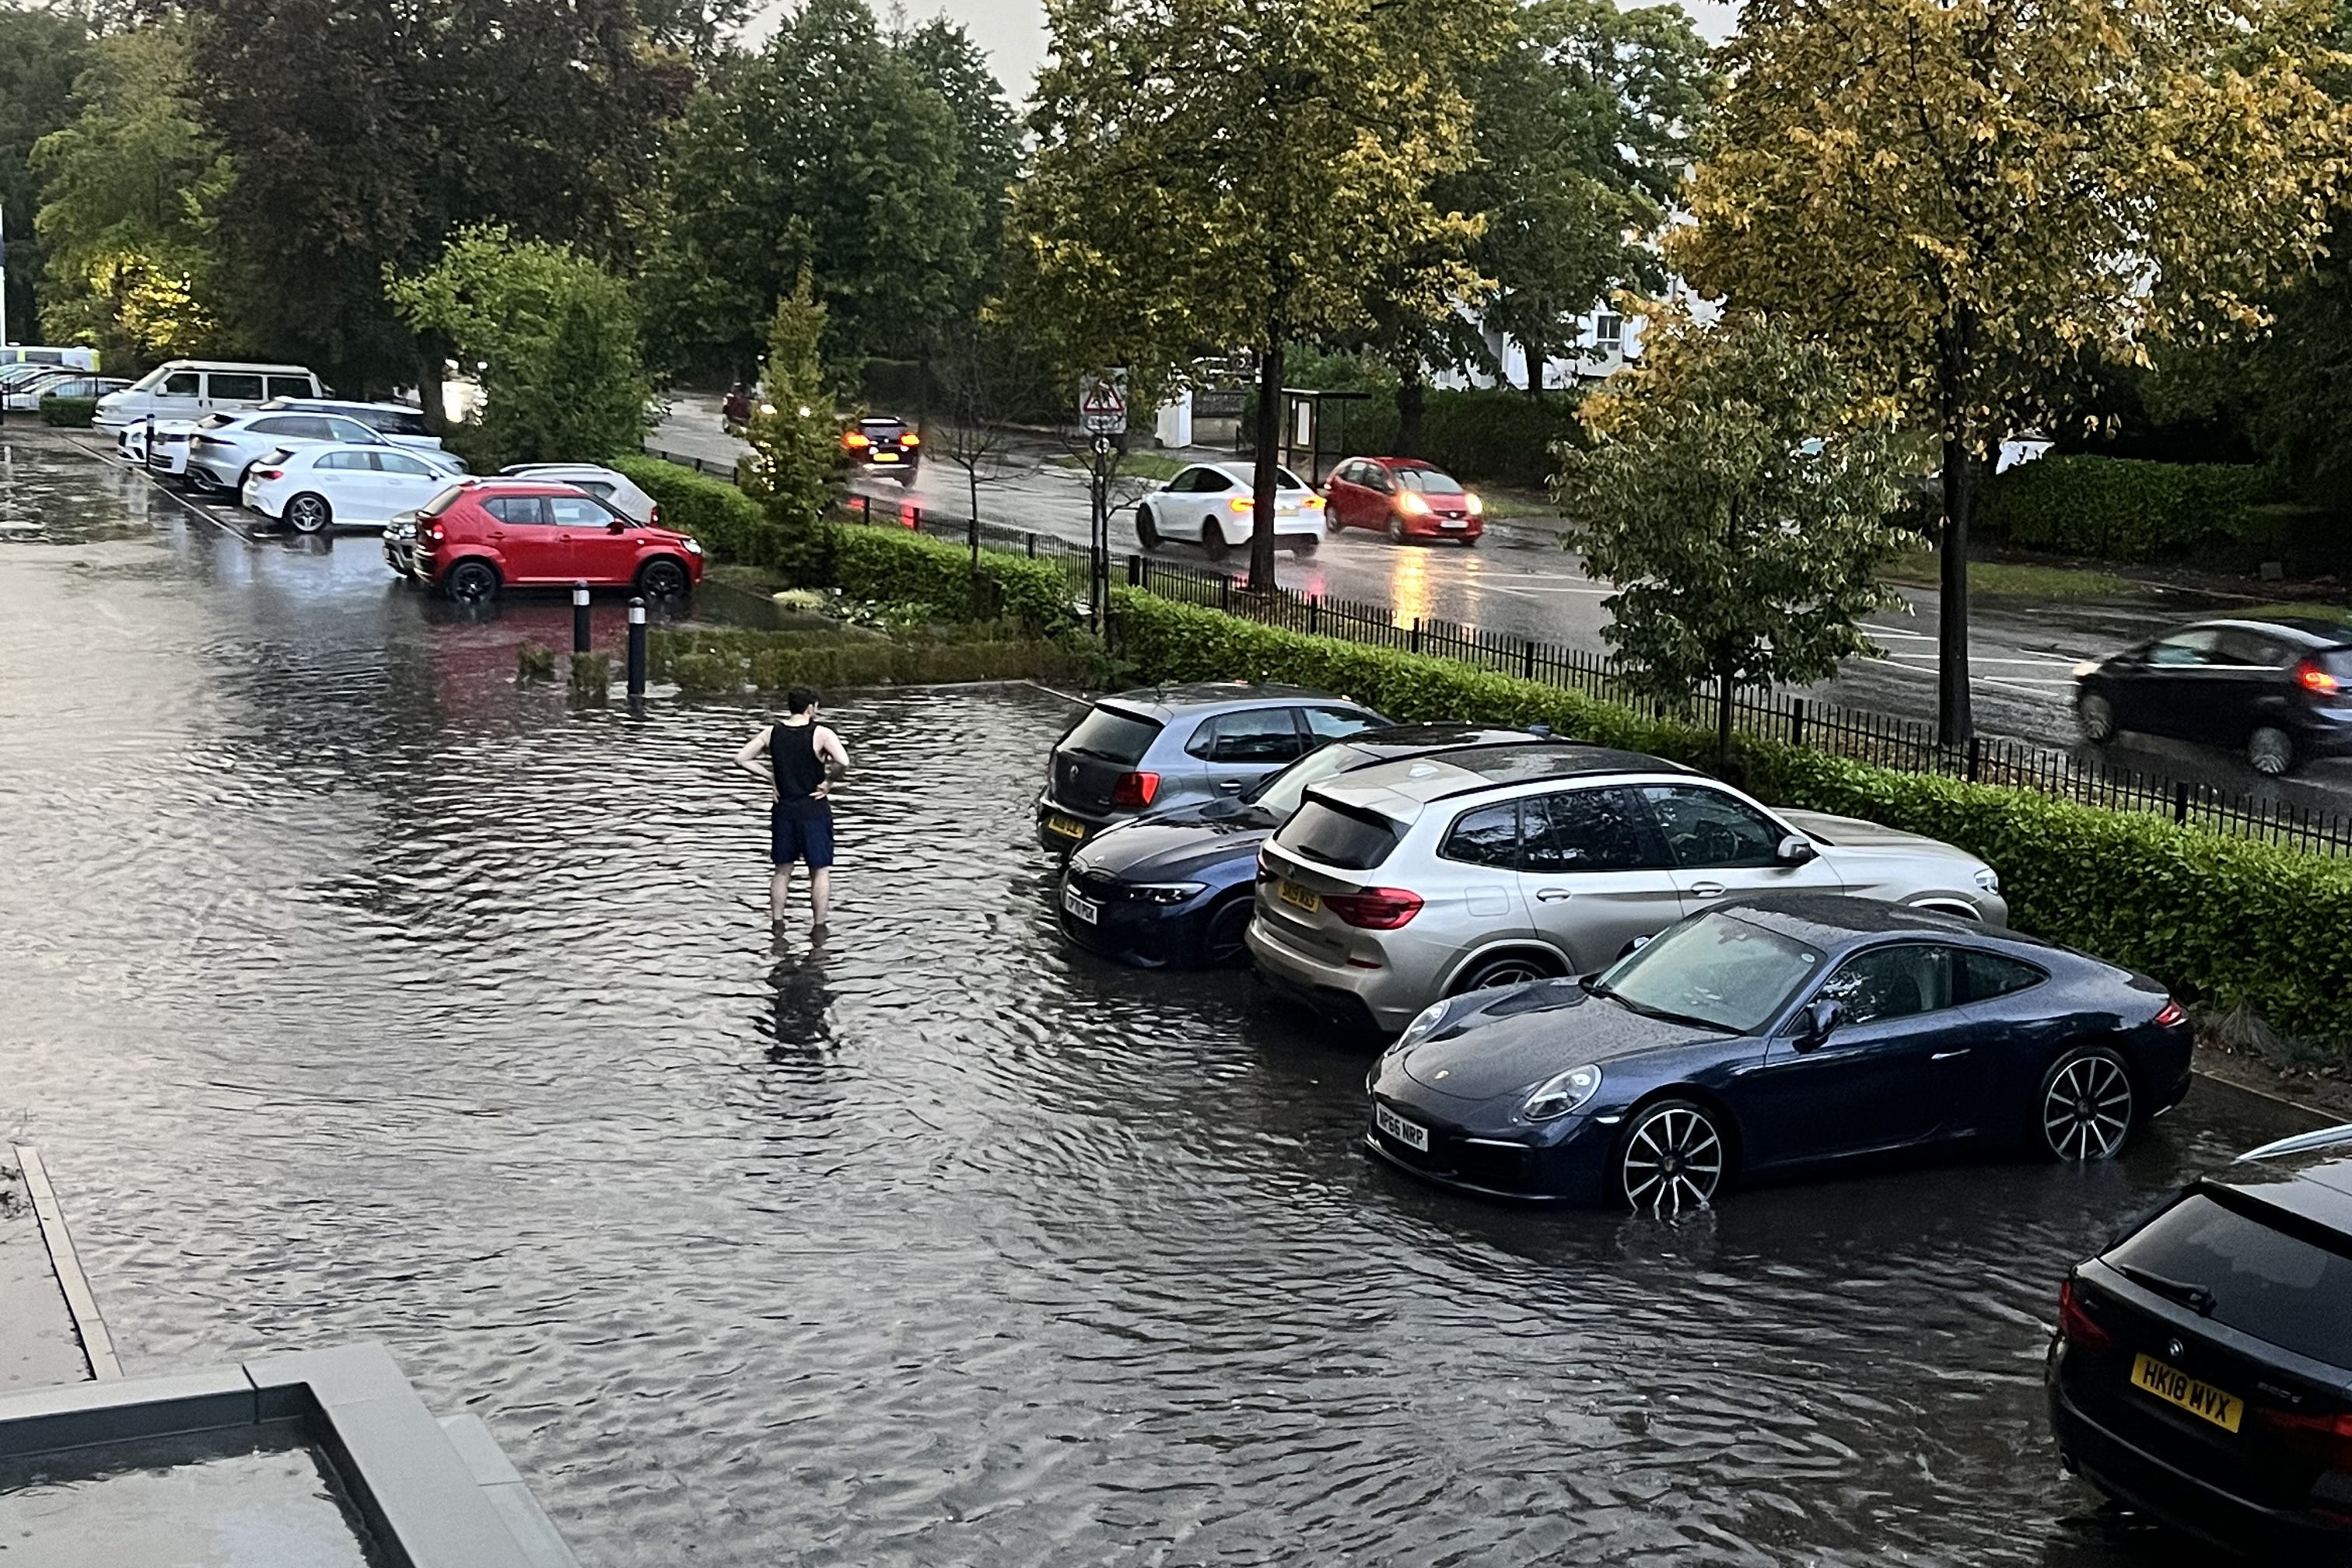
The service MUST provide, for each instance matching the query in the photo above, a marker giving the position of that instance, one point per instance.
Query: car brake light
(1241, 503)
(910, 440)
(2171, 1014)
(2076, 1324)
(2315, 680)
(430, 534)
(2327, 1438)
(1374, 909)
(1313, 503)
(268, 473)
(855, 439)
(1133, 792)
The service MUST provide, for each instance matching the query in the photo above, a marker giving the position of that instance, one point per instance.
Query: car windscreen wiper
(2195, 1298)
(1663, 1014)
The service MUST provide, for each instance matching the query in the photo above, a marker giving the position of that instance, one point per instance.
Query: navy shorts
(808, 838)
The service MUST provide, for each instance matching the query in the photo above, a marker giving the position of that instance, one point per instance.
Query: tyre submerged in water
(1774, 1035)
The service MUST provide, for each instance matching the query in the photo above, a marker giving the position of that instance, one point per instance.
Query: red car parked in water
(480, 537)
(1403, 496)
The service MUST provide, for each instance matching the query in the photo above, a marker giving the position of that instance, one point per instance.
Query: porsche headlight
(1424, 1024)
(1556, 1097)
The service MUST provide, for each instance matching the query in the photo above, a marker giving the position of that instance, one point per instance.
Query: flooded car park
(357, 992)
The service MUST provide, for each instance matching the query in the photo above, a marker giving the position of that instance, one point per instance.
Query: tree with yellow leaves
(1965, 197)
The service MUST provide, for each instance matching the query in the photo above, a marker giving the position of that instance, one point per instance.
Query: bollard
(579, 617)
(636, 648)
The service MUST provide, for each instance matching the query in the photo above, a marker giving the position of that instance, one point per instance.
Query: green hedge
(1498, 437)
(2223, 920)
(721, 662)
(2119, 509)
(68, 413)
(723, 518)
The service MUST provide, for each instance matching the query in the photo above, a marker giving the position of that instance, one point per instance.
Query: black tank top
(792, 753)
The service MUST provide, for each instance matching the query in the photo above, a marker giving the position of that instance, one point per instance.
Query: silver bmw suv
(1396, 885)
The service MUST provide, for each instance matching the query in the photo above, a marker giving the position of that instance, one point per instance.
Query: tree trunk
(431, 365)
(1412, 402)
(1268, 458)
(1954, 722)
(1534, 349)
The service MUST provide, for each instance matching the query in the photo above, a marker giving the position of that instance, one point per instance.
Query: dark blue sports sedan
(1175, 890)
(1773, 1035)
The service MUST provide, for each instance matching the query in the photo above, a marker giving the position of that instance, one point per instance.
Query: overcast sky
(1013, 31)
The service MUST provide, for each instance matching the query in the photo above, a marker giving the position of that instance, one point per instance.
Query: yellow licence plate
(2199, 1399)
(1067, 827)
(1301, 898)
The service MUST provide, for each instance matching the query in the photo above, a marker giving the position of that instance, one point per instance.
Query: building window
(1608, 334)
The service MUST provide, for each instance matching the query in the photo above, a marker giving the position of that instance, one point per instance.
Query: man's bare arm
(753, 758)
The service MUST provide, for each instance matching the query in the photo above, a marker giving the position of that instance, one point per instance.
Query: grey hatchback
(1149, 753)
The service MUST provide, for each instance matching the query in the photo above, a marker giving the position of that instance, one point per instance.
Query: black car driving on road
(2201, 1373)
(885, 444)
(1777, 1032)
(2279, 690)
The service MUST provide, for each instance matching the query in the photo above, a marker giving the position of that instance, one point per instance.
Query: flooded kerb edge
(73, 1285)
(368, 995)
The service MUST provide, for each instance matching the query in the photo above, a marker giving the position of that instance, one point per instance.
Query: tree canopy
(1739, 499)
(42, 51)
(1967, 195)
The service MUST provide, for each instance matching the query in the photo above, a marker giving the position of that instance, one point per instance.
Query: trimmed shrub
(724, 662)
(2225, 922)
(68, 413)
(1495, 437)
(2120, 509)
(723, 518)
(901, 566)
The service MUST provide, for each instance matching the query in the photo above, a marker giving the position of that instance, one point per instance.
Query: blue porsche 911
(1772, 1034)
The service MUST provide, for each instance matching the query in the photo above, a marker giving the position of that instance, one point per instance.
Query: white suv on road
(1397, 885)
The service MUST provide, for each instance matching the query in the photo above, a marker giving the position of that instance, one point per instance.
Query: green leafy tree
(1215, 175)
(1584, 132)
(557, 338)
(129, 188)
(1741, 507)
(827, 152)
(1970, 196)
(42, 51)
(795, 433)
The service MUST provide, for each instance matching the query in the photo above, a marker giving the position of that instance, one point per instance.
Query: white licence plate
(1411, 1134)
(1083, 909)
(1454, 522)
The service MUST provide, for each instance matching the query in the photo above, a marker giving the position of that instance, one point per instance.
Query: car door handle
(1229, 785)
(1706, 889)
(1554, 896)
(1947, 1056)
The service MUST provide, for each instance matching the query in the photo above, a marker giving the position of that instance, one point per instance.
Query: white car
(1212, 502)
(612, 489)
(171, 453)
(351, 485)
(226, 445)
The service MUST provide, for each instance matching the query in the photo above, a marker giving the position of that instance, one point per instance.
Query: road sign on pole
(1102, 404)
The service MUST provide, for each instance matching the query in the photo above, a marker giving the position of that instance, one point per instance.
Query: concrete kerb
(82, 1305)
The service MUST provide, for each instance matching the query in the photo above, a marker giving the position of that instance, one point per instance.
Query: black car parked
(2279, 688)
(2201, 1373)
(1176, 890)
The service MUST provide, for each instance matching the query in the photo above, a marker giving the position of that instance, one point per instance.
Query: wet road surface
(355, 992)
(1519, 581)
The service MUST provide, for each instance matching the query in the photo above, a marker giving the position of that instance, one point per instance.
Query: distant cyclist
(801, 757)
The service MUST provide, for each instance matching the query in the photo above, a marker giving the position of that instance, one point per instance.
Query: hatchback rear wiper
(2195, 1298)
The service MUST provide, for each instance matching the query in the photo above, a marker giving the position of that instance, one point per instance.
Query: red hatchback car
(1403, 496)
(480, 536)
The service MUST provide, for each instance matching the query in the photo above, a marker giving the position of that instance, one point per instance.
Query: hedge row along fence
(2224, 922)
(723, 662)
(2121, 509)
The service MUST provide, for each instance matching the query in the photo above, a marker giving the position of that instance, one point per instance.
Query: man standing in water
(800, 757)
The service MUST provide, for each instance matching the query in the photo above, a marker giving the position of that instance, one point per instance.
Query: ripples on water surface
(355, 992)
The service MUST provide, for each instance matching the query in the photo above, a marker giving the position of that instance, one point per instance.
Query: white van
(66, 358)
(192, 388)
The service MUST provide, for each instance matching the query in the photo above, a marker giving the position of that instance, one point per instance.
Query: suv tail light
(430, 534)
(2327, 1438)
(1133, 792)
(268, 473)
(1374, 909)
(2076, 1324)
(2173, 1014)
(2314, 680)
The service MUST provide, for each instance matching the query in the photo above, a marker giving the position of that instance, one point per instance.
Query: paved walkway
(39, 1346)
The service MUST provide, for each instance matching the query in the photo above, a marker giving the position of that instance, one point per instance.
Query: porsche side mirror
(1821, 1019)
(1795, 850)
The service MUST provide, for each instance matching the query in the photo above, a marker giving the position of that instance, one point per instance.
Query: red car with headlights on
(1402, 496)
(481, 537)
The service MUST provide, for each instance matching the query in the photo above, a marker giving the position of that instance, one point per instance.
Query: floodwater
(354, 991)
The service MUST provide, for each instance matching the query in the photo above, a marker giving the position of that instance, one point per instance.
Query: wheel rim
(1396, 530)
(1674, 1160)
(1504, 972)
(470, 584)
(1223, 944)
(2098, 717)
(663, 581)
(310, 514)
(2269, 752)
(2087, 1110)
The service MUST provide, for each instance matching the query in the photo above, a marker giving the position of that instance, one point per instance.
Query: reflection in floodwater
(357, 992)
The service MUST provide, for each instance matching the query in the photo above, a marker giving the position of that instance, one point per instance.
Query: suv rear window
(2263, 1281)
(1353, 841)
(1111, 735)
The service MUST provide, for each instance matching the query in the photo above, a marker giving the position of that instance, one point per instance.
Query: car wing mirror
(616, 525)
(1820, 1019)
(1795, 850)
